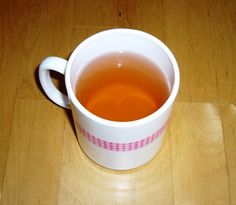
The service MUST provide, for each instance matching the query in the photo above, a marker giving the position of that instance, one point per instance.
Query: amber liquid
(122, 87)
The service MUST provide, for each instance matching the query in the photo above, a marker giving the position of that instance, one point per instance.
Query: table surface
(41, 161)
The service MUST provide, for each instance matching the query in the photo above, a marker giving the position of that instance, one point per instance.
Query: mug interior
(122, 40)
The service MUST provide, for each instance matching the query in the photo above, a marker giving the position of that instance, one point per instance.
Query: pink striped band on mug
(121, 147)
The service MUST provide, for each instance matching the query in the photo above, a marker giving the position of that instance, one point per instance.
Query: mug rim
(168, 103)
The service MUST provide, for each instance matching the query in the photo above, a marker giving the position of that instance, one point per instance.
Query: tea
(122, 87)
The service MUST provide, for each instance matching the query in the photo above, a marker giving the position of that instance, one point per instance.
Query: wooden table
(40, 159)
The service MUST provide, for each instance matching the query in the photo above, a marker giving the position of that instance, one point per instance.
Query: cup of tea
(121, 85)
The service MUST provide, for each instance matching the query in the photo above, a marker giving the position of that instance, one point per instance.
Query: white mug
(115, 145)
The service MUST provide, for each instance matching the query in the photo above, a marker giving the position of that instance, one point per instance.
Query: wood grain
(41, 161)
(198, 157)
(34, 157)
(228, 115)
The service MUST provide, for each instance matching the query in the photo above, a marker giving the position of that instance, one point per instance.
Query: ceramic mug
(115, 145)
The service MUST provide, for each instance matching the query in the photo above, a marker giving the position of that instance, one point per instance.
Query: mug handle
(58, 65)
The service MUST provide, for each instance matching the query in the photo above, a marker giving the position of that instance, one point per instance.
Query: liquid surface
(122, 87)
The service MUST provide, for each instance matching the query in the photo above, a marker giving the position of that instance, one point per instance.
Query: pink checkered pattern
(121, 147)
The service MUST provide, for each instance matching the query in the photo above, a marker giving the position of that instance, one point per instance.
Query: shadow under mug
(114, 145)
